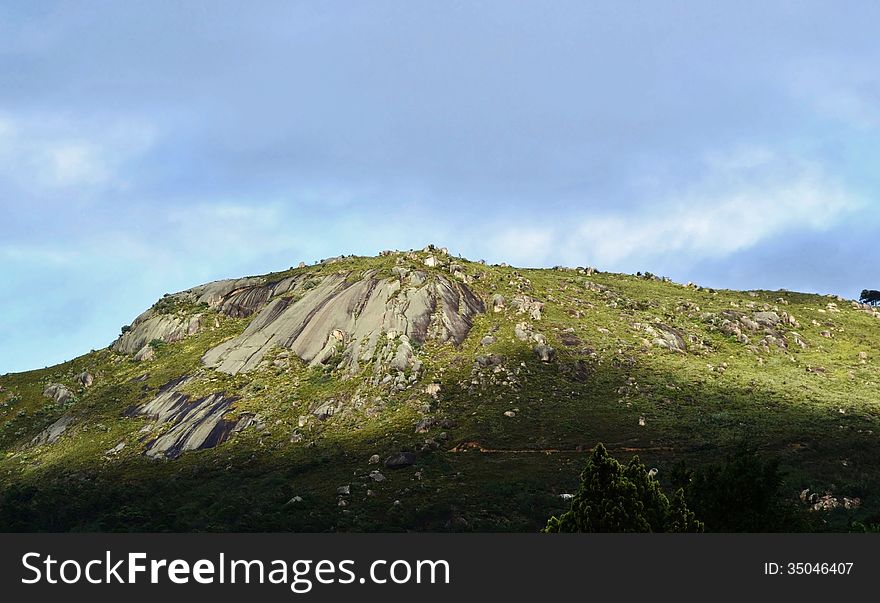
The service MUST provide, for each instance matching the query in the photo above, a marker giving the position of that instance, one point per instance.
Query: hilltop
(420, 391)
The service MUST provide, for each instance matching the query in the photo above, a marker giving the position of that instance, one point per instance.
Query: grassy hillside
(646, 366)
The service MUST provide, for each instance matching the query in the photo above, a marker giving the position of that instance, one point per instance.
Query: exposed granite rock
(526, 304)
(545, 353)
(214, 293)
(57, 392)
(195, 424)
(51, 434)
(245, 302)
(86, 379)
(400, 460)
(668, 338)
(145, 354)
(349, 319)
(151, 326)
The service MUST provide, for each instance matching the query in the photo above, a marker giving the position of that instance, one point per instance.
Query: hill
(419, 391)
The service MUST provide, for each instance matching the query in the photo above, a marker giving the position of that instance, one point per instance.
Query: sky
(147, 147)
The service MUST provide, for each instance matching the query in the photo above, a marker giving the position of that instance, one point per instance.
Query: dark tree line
(742, 493)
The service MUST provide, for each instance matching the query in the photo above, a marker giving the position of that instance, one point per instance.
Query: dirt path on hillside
(473, 446)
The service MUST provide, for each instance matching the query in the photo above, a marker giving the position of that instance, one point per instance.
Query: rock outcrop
(51, 434)
(237, 298)
(152, 325)
(667, 337)
(194, 424)
(145, 354)
(58, 392)
(345, 320)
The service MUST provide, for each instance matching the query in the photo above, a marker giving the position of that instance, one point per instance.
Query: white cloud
(716, 226)
(524, 245)
(77, 163)
(746, 197)
(48, 154)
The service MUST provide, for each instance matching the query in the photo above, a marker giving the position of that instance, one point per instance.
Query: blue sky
(146, 147)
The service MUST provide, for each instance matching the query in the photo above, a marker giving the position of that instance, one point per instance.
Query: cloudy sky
(146, 147)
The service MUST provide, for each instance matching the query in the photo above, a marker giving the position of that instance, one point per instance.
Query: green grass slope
(502, 442)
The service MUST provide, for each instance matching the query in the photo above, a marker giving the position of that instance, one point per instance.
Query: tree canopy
(622, 498)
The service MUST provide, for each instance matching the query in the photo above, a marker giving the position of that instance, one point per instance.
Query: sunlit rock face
(350, 321)
(151, 326)
(195, 424)
(177, 316)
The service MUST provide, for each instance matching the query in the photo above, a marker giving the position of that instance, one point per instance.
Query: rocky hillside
(419, 391)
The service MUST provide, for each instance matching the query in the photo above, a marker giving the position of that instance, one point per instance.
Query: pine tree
(617, 498)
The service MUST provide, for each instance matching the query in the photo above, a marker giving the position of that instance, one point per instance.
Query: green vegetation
(518, 433)
(743, 494)
(622, 498)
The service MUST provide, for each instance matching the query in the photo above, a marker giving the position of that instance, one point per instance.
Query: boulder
(498, 302)
(669, 338)
(489, 361)
(145, 354)
(85, 379)
(58, 392)
(767, 319)
(400, 460)
(525, 304)
(404, 358)
(325, 410)
(425, 425)
(545, 353)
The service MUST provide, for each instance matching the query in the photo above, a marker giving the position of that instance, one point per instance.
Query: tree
(742, 494)
(870, 296)
(622, 498)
